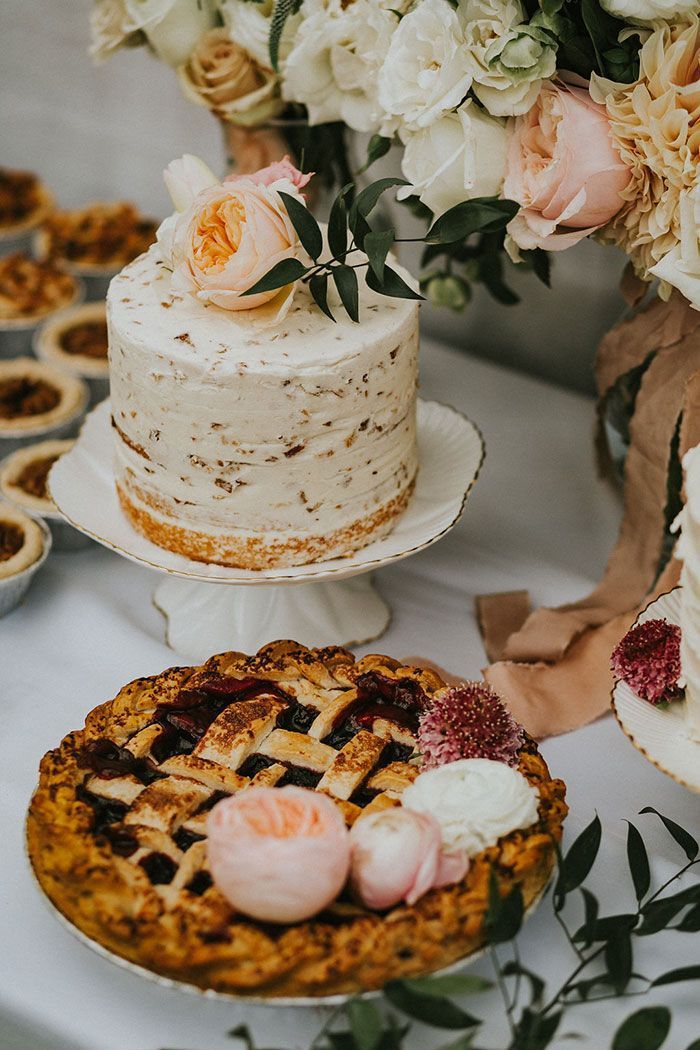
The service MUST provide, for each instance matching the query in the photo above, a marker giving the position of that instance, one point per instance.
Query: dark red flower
(469, 721)
(648, 659)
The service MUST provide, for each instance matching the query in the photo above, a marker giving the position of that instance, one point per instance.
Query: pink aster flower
(648, 659)
(469, 721)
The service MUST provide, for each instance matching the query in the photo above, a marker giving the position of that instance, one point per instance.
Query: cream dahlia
(655, 125)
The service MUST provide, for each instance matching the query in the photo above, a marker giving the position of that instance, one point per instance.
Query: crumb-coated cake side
(117, 827)
(252, 446)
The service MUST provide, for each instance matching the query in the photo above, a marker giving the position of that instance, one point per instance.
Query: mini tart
(21, 541)
(117, 827)
(24, 475)
(99, 238)
(24, 202)
(76, 341)
(31, 290)
(35, 398)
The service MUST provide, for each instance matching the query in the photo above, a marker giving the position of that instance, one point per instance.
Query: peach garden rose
(278, 854)
(563, 169)
(225, 236)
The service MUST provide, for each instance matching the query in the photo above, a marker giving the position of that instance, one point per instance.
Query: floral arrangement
(648, 659)
(284, 854)
(605, 964)
(585, 114)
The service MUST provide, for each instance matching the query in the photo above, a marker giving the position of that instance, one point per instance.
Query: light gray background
(108, 131)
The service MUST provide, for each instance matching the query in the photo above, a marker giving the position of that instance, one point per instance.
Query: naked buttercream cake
(259, 447)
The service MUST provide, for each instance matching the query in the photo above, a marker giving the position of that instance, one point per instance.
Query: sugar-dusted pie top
(31, 289)
(35, 396)
(24, 475)
(21, 541)
(131, 794)
(211, 341)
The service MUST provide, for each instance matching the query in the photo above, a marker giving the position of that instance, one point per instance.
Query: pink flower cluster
(469, 721)
(648, 659)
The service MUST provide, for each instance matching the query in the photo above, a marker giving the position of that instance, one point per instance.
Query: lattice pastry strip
(239, 730)
(166, 803)
(351, 765)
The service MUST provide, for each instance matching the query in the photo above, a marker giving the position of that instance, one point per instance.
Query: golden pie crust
(31, 540)
(17, 466)
(42, 415)
(183, 927)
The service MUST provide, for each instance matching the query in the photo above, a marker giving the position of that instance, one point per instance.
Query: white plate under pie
(331, 602)
(661, 735)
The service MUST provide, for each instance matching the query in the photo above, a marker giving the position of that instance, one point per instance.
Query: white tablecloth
(538, 518)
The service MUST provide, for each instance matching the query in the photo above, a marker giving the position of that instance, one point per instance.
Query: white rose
(649, 10)
(681, 266)
(332, 68)
(508, 58)
(462, 155)
(248, 23)
(425, 71)
(111, 29)
(475, 800)
(172, 27)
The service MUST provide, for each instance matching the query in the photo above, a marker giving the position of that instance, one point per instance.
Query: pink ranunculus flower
(563, 170)
(278, 854)
(397, 854)
(225, 236)
(279, 169)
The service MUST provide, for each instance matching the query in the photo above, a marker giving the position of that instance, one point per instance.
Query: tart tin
(14, 588)
(13, 439)
(16, 333)
(93, 371)
(64, 536)
(95, 277)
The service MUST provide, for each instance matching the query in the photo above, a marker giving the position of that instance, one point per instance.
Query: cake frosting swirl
(257, 447)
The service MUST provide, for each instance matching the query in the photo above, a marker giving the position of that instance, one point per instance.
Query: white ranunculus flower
(332, 68)
(248, 23)
(475, 801)
(172, 27)
(681, 266)
(461, 155)
(425, 71)
(508, 58)
(649, 10)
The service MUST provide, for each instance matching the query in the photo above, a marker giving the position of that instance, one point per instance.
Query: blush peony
(397, 855)
(226, 236)
(563, 170)
(278, 854)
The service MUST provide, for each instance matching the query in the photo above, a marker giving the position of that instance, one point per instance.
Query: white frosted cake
(256, 447)
(689, 551)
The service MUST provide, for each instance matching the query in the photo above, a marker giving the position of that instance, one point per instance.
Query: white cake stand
(331, 603)
(661, 734)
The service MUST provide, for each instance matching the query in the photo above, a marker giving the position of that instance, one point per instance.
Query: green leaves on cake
(352, 249)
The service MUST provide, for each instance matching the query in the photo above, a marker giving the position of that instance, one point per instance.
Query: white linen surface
(538, 518)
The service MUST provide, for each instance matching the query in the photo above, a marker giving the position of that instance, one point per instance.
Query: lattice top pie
(117, 826)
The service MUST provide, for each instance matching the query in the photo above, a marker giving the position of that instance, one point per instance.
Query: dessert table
(538, 519)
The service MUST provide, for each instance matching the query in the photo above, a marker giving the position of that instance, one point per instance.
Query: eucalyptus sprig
(603, 967)
(349, 232)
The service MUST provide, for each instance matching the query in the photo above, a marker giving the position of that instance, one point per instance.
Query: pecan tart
(100, 236)
(24, 475)
(24, 202)
(30, 290)
(36, 400)
(24, 545)
(117, 827)
(76, 342)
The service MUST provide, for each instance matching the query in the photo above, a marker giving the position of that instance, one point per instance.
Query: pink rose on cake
(225, 236)
(563, 169)
(278, 854)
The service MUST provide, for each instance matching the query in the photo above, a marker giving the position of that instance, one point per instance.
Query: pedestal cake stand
(327, 603)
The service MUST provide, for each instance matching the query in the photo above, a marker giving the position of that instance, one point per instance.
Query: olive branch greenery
(602, 946)
(349, 231)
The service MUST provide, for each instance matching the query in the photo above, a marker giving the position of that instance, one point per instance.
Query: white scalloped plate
(660, 735)
(450, 449)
